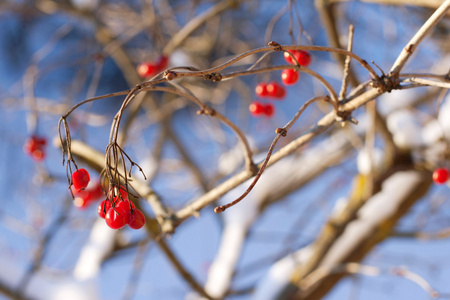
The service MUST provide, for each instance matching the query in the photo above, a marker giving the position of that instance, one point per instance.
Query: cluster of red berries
(149, 69)
(35, 147)
(117, 212)
(120, 211)
(275, 91)
(440, 175)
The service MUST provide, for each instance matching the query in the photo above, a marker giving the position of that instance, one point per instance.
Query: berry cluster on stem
(118, 211)
(273, 90)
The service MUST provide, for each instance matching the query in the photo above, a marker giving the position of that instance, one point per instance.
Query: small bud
(170, 75)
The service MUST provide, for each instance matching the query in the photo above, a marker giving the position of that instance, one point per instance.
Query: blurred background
(305, 209)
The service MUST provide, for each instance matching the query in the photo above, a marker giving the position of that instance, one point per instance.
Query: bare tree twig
(411, 46)
(320, 127)
(343, 91)
(445, 85)
(195, 23)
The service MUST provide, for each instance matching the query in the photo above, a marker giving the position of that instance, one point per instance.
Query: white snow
(395, 100)
(239, 218)
(363, 161)
(180, 58)
(444, 116)
(98, 246)
(380, 207)
(44, 287)
(431, 132)
(222, 269)
(279, 275)
(405, 128)
(88, 5)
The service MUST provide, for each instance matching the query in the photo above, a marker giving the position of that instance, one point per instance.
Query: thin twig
(445, 85)
(281, 132)
(195, 23)
(343, 91)
(411, 46)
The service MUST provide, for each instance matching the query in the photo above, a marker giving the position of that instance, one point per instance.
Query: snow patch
(364, 163)
(279, 274)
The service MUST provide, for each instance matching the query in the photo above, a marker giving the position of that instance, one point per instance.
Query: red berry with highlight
(256, 108)
(116, 218)
(137, 219)
(81, 202)
(114, 194)
(288, 58)
(261, 90)
(303, 57)
(289, 76)
(440, 175)
(80, 179)
(275, 90)
(103, 208)
(147, 69)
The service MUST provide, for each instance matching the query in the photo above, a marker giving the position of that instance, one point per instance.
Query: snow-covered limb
(372, 224)
(99, 245)
(279, 274)
(286, 176)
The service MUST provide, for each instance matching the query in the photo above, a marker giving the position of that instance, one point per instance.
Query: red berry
(261, 89)
(440, 175)
(269, 110)
(35, 147)
(95, 192)
(115, 195)
(288, 58)
(125, 205)
(103, 207)
(147, 69)
(275, 90)
(83, 198)
(303, 57)
(162, 63)
(116, 218)
(256, 108)
(81, 203)
(137, 219)
(80, 179)
(289, 76)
